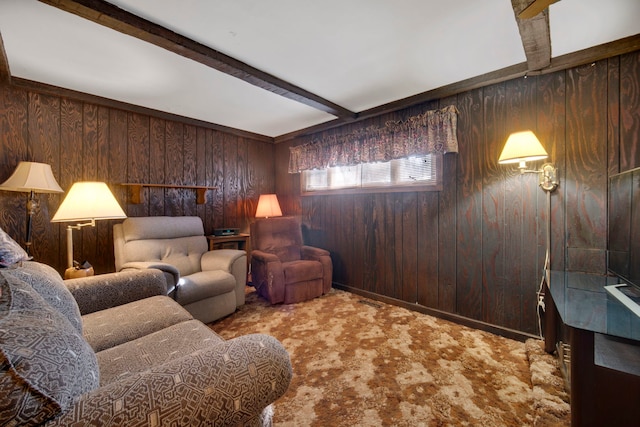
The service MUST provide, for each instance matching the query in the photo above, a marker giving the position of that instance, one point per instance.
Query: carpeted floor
(358, 362)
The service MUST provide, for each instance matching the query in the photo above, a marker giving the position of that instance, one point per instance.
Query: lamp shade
(268, 206)
(88, 201)
(522, 147)
(32, 176)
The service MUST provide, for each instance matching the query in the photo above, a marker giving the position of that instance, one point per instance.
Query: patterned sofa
(114, 350)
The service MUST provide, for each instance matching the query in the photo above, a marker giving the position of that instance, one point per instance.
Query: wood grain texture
(173, 164)
(491, 222)
(86, 141)
(13, 140)
(103, 261)
(157, 171)
(44, 142)
(629, 111)
(501, 212)
(447, 259)
(216, 177)
(138, 156)
(587, 165)
(231, 180)
(469, 206)
(189, 169)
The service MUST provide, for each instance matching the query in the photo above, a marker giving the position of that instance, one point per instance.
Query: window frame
(382, 188)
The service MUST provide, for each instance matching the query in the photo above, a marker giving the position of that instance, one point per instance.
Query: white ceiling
(358, 54)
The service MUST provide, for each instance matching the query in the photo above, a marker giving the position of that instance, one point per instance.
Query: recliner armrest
(310, 252)
(323, 257)
(263, 256)
(104, 291)
(254, 370)
(232, 261)
(171, 273)
(268, 276)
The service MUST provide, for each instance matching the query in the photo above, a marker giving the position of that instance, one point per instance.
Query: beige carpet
(358, 362)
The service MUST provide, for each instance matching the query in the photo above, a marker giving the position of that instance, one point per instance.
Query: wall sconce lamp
(268, 206)
(31, 177)
(522, 147)
(86, 201)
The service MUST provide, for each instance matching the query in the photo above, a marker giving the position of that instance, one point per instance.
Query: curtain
(431, 132)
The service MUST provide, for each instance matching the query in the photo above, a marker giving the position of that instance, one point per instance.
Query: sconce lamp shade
(268, 206)
(31, 176)
(88, 201)
(522, 147)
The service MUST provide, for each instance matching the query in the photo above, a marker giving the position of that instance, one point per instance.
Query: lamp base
(74, 273)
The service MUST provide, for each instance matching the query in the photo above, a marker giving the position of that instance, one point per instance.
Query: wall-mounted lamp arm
(547, 174)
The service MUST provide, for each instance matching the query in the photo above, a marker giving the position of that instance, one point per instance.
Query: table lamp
(31, 177)
(268, 206)
(86, 201)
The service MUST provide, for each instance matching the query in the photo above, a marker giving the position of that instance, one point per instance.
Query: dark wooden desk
(604, 349)
(236, 241)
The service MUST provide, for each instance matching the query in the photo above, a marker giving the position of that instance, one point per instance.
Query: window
(420, 173)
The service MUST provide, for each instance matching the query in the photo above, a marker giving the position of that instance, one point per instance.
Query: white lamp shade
(522, 147)
(268, 206)
(88, 201)
(32, 176)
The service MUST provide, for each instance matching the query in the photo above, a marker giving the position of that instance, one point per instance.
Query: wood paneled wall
(86, 141)
(477, 248)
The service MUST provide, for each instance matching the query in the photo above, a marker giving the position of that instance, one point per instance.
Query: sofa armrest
(226, 384)
(221, 259)
(267, 276)
(171, 273)
(104, 291)
(232, 261)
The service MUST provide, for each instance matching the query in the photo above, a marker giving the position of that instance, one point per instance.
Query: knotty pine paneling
(85, 141)
(477, 247)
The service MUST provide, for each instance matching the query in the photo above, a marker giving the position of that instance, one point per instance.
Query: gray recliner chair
(209, 284)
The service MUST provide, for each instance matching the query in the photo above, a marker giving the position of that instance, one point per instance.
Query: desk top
(583, 303)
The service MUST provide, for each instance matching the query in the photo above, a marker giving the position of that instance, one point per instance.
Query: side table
(235, 241)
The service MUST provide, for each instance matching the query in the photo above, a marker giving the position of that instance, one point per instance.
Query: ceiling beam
(5, 71)
(534, 8)
(104, 13)
(535, 35)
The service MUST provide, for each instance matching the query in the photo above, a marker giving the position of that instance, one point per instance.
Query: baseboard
(472, 323)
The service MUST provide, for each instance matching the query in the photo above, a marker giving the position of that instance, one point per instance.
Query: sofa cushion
(46, 363)
(108, 328)
(10, 251)
(182, 252)
(300, 271)
(154, 349)
(47, 282)
(203, 285)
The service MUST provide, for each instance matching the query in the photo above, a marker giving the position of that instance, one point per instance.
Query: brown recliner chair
(283, 269)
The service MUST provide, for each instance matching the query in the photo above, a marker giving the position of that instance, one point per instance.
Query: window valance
(431, 132)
